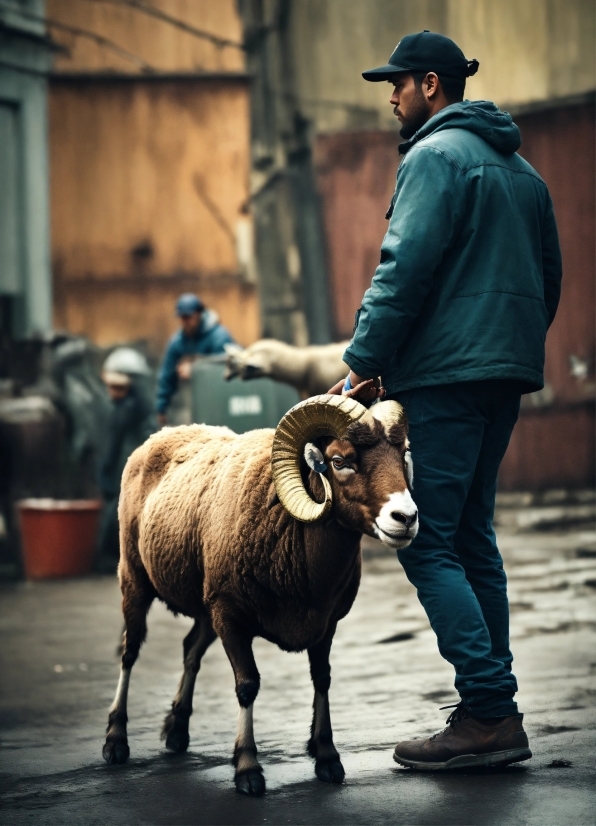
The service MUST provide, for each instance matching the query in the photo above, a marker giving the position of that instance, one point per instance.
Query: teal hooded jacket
(470, 272)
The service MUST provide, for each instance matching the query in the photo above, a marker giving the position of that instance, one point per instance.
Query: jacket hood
(480, 116)
(209, 320)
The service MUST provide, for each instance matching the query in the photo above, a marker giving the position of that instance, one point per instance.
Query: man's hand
(184, 369)
(364, 391)
(162, 419)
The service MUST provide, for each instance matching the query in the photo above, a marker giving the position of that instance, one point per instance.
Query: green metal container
(239, 405)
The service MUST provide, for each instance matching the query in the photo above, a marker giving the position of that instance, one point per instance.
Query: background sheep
(311, 370)
(249, 539)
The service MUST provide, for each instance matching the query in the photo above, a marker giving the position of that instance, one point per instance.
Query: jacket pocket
(356, 320)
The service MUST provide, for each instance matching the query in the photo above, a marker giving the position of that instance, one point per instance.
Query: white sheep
(311, 370)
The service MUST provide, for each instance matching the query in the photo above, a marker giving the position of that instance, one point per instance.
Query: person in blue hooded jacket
(454, 324)
(200, 333)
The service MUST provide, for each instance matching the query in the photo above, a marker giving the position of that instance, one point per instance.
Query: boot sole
(465, 761)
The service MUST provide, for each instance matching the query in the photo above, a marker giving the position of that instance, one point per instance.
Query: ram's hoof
(330, 771)
(115, 751)
(177, 740)
(250, 782)
(175, 733)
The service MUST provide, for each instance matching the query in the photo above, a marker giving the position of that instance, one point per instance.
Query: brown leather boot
(467, 742)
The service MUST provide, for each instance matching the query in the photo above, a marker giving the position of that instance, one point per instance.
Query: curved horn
(318, 416)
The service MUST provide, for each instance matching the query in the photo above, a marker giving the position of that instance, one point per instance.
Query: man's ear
(314, 458)
(432, 83)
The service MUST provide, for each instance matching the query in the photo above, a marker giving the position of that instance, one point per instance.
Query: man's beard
(417, 117)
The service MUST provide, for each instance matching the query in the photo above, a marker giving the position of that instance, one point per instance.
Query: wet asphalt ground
(59, 673)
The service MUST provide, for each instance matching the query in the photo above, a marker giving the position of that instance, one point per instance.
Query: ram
(258, 535)
(311, 370)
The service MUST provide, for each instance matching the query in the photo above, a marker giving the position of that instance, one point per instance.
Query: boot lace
(457, 716)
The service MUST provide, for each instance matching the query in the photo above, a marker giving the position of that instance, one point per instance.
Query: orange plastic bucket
(58, 536)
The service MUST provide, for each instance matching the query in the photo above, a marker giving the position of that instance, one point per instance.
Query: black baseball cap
(425, 52)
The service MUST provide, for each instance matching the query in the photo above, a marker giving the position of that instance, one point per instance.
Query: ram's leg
(248, 777)
(238, 646)
(137, 596)
(175, 727)
(328, 766)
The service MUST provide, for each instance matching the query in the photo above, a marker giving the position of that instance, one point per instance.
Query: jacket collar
(427, 129)
(481, 117)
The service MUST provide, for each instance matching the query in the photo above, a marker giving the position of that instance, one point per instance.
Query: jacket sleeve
(552, 267)
(428, 206)
(167, 382)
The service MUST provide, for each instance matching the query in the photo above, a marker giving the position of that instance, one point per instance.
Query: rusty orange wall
(560, 144)
(555, 447)
(110, 312)
(129, 162)
(356, 175)
(356, 179)
(148, 174)
(156, 42)
(157, 167)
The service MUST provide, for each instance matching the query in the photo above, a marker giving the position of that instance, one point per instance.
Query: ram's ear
(314, 458)
(409, 463)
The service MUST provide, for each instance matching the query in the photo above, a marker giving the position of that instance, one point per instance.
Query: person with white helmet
(126, 375)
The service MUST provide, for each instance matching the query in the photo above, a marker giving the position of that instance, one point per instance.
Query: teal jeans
(459, 434)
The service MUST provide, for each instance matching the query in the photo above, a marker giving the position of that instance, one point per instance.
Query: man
(455, 323)
(126, 376)
(200, 333)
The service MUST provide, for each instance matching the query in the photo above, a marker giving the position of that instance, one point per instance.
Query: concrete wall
(528, 51)
(25, 278)
(150, 172)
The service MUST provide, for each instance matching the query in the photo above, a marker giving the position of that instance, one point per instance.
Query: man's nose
(407, 519)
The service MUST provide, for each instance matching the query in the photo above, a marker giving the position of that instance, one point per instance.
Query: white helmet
(122, 364)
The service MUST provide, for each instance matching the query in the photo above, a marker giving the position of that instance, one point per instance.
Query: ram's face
(371, 476)
(248, 364)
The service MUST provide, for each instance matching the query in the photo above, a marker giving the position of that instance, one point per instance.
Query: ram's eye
(339, 462)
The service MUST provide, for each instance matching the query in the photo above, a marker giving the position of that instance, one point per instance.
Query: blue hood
(209, 320)
(480, 116)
